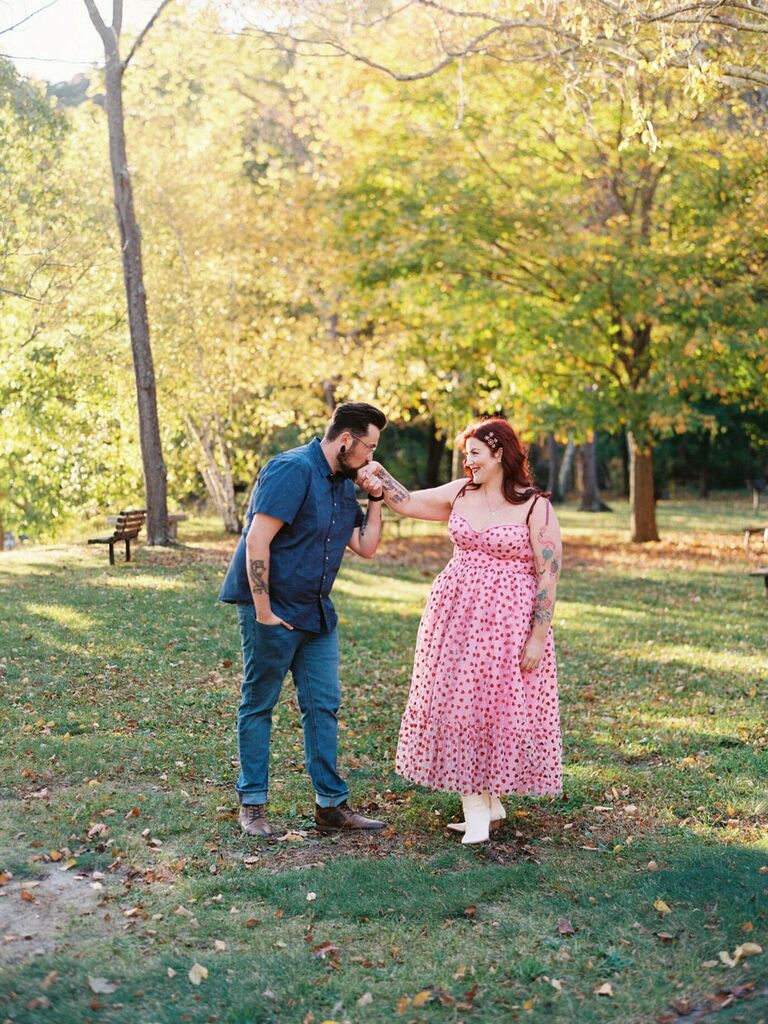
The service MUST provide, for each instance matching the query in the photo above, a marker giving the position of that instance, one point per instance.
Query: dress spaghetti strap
(460, 493)
(533, 505)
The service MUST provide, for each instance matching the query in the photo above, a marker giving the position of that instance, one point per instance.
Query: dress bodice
(507, 542)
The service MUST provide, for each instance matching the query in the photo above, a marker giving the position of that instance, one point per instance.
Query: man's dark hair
(355, 417)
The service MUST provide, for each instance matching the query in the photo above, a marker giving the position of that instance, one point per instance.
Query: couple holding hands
(482, 717)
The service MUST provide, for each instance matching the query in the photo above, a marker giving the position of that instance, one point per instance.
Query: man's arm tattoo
(364, 525)
(256, 571)
(394, 490)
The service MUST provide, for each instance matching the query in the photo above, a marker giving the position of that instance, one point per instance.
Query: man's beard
(350, 472)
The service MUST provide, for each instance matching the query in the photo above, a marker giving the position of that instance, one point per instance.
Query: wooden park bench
(127, 526)
(761, 571)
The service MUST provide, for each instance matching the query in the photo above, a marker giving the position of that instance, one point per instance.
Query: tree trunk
(641, 498)
(216, 473)
(155, 475)
(435, 451)
(457, 463)
(625, 467)
(704, 467)
(552, 463)
(589, 492)
(566, 469)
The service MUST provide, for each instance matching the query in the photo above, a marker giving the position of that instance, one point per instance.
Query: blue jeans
(269, 653)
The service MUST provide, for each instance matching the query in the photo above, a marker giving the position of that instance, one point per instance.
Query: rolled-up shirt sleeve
(281, 489)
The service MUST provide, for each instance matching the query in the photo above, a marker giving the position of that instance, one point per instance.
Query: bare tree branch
(141, 36)
(98, 22)
(117, 17)
(27, 17)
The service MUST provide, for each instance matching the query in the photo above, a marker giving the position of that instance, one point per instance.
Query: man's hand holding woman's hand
(368, 478)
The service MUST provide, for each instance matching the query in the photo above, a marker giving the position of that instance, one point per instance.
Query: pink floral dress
(474, 721)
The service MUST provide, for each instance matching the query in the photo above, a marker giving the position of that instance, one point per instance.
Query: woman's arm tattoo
(392, 488)
(256, 570)
(542, 611)
(546, 557)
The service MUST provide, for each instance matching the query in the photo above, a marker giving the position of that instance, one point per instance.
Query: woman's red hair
(497, 433)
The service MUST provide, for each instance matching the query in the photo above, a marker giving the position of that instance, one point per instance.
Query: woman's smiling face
(481, 461)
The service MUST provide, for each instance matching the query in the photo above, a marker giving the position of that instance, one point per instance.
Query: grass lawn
(640, 895)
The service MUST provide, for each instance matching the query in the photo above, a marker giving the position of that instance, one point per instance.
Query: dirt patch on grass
(41, 915)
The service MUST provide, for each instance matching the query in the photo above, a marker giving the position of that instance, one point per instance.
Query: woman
(482, 717)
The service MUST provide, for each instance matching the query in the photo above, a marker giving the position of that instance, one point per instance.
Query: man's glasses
(371, 447)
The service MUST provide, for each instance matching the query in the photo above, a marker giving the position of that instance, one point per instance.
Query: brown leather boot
(343, 818)
(253, 821)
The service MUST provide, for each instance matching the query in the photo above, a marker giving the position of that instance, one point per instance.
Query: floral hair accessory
(492, 441)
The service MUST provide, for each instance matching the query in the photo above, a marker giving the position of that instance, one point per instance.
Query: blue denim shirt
(319, 511)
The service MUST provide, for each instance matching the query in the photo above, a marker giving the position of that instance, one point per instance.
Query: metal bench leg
(111, 552)
(127, 551)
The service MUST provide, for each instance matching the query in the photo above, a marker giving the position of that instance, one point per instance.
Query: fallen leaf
(725, 957)
(5, 876)
(651, 866)
(470, 911)
(606, 989)
(565, 927)
(219, 945)
(55, 855)
(556, 984)
(661, 907)
(365, 999)
(710, 963)
(422, 997)
(197, 974)
(460, 972)
(50, 978)
(528, 1004)
(325, 949)
(40, 1003)
(311, 897)
(170, 972)
(402, 1004)
(252, 922)
(666, 937)
(746, 949)
(101, 986)
(27, 896)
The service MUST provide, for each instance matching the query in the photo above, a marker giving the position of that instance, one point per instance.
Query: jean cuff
(253, 798)
(330, 801)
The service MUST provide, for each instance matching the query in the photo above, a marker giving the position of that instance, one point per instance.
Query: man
(302, 514)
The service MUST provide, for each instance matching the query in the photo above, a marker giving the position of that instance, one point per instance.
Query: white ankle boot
(477, 818)
(498, 814)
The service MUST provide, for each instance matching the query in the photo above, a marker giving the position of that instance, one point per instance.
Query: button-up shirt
(319, 511)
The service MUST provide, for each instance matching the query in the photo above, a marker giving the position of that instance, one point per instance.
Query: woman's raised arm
(433, 503)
